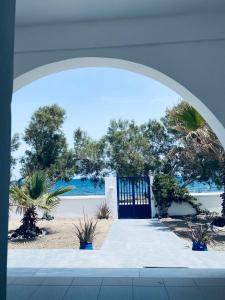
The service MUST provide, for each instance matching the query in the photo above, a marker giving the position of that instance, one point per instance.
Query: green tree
(126, 150)
(125, 146)
(33, 194)
(136, 150)
(89, 155)
(48, 148)
(15, 143)
(198, 148)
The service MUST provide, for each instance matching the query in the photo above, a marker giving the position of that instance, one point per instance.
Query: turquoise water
(85, 188)
(81, 188)
(197, 187)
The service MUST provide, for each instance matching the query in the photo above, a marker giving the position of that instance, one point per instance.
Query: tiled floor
(110, 288)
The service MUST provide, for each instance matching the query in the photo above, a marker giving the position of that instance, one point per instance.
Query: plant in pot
(201, 236)
(85, 232)
(103, 212)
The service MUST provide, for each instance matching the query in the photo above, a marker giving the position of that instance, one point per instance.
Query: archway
(120, 64)
(74, 63)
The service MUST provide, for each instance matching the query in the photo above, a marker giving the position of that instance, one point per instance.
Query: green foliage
(35, 193)
(197, 154)
(48, 149)
(15, 143)
(103, 212)
(89, 155)
(126, 150)
(30, 196)
(86, 230)
(166, 191)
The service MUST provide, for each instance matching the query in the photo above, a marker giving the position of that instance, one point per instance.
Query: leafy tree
(126, 150)
(89, 156)
(15, 143)
(48, 149)
(125, 146)
(198, 149)
(136, 150)
(30, 196)
(160, 143)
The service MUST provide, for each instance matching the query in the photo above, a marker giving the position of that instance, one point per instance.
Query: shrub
(166, 190)
(103, 212)
(86, 230)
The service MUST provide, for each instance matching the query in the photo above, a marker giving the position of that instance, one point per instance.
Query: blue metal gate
(134, 198)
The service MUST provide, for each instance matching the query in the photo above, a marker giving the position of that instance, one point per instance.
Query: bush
(103, 212)
(166, 190)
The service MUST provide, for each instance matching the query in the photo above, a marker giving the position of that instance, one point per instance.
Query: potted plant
(103, 212)
(201, 237)
(85, 232)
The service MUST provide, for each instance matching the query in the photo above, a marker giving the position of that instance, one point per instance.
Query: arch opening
(88, 62)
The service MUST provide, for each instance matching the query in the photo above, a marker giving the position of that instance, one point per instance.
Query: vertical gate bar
(130, 192)
(133, 196)
(149, 196)
(125, 187)
(144, 191)
(138, 190)
(124, 199)
(118, 196)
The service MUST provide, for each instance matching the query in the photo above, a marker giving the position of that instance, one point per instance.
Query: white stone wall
(209, 201)
(76, 206)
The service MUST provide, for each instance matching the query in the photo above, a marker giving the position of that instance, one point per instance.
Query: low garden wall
(76, 206)
(209, 201)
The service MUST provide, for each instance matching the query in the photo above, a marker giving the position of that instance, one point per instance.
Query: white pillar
(111, 195)
(153, 207)
(7, 17)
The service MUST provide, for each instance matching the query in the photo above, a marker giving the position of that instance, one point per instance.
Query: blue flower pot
(86, 246)
(197, 246)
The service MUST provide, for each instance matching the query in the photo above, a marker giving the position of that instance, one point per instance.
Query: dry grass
(60, 235)
(180, 227)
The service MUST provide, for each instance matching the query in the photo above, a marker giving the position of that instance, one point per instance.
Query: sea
(88, 188)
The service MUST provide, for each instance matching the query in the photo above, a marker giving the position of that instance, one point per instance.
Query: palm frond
(60, 191)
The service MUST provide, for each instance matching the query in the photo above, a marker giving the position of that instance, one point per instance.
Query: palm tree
(193, 129)
(32, 195)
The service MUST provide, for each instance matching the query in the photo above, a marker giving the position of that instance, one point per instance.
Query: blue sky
(91, 98)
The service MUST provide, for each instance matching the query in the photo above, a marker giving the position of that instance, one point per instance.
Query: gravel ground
(60, 235)
(180, 227)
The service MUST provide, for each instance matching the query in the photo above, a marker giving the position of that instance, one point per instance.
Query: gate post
(111, 195)
(153, 207)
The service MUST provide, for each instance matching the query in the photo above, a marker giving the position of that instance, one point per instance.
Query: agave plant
(86, 230)
(103, 212)
(201, 233)
(32, 195)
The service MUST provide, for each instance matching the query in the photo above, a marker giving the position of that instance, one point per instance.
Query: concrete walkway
(130, 244)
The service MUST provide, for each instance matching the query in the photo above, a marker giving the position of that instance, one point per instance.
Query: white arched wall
(88, 62)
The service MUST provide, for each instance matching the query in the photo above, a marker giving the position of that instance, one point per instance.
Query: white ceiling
(52, 11)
